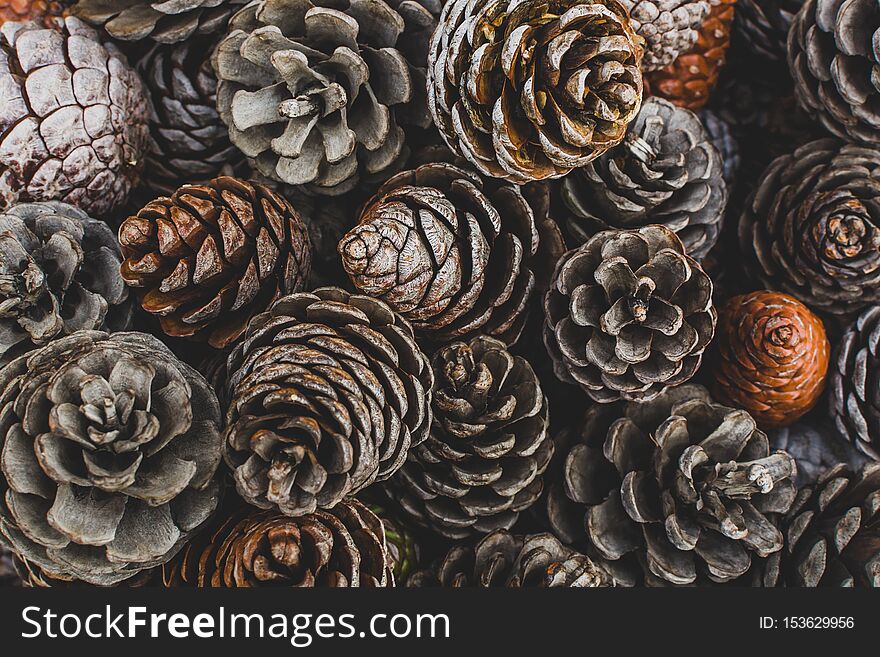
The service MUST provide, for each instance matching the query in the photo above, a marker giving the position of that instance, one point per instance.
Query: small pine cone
(164, 21)
(834, 54)
(722, 136)
(44, 11)
(342, 547)
(488, 446)
(316, 93)
(628, 315)
(770, 357)
(666, 171)
(761, 27)
(526, 90)
(59, 273)
(329, 392)
(449, 251)
(689, 80)
(504, 560)
(209, 257)
(669, 27)
(815, 446)
(110, 454)
(73, 117)
(8, 574)
(811, 227)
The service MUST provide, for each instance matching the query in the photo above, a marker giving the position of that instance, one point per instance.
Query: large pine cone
(59, 273)
(528, 90)
(452, 253)
(761, 27)
(666, 171)
(208, 258)
(165, 21)
(329, 392)
(504, 560)
(811, 227)
(488, 447)
(110, 453)
(342, 547)
(834, 55)
(73, 117)
(681, 487)
(628, 314)
(815, 447)
(771, 357)
(316, 92)
(669, 27)
(32, 10)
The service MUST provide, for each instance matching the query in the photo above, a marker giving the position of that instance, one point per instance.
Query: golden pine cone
(36, 10)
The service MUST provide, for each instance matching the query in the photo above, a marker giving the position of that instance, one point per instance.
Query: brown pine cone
(210, 257)
(771, 357)
(32, 10)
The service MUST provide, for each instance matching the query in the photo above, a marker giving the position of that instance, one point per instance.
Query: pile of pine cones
(521, 293)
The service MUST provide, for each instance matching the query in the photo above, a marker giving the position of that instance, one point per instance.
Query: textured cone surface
(329, 392)
(679, 489)
(771, 357)
(165, 21)
(342, 547)
(73, 117)
(530, 90)
(810, 228)
(32, 10)
(761, 26)
(666, 171)
(628, 314)
(110, 453)
(316, 93)
(488, 448)
(209, 257)
(505, 560)
(689, 80)
(815, 446)
(722, 136)
(669, 27)
(834, 55)
(59, 273)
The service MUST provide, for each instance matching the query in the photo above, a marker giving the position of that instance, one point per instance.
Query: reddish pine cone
(31, 10)
(771, 357)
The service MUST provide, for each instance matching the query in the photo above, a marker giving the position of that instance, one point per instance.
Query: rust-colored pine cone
(689, 80)
(209, 257)
(771, 357)
(32, 10)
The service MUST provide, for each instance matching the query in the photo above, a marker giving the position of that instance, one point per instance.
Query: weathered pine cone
(316, 93)
(329, 392)
(811, 227)
(504, 560)
(530, 90)
(669, 27)
(681, 489)
(761, 26)
(628, 315)
(770, 357)
(488, 447)
(59, 273)
(32, 10)
(666, 171)
(73, 117)
(110, 452)
(449, 251)
(342, 547)
(164, 21)
(834, 55)
(209, 257)
(815, 446)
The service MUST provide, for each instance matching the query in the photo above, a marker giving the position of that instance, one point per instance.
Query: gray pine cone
(721, 134)
(669, 27)
(815, 447)
(666, 171)
(110, 452)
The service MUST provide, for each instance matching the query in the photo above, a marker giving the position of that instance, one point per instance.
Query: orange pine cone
(25, 10)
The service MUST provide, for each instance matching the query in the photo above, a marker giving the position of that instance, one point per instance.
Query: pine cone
(681, 488)
(761, 27)
(110, 452)
(722, 136)
(30, 575)
(628, 315)
(165, 21)
(32, 10)
(357, 71)
(208, 258)
(451, 252)
(504, 560)
(666, 171)
(689, 80)
(8, 575)
(811, 227)
(59, 273)
(815, 447)
(73, 118)
(329, 392)
(527, 90)
(770, 357)
(834, 54)
(488, 447)
(342, 547)
(669, 27)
